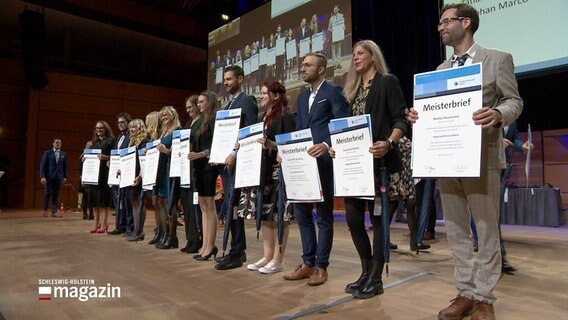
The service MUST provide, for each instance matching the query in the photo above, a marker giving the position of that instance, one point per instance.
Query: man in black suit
(233, 81)
(53, 172)
(317, 105)
(124, 221)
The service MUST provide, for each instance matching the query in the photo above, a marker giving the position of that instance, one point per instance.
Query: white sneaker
(272, 267)
(255, 266)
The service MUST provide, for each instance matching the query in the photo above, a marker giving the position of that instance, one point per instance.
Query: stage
(167, 284)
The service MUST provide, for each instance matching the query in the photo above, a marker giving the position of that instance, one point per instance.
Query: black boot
(374, 283)
(351, 287)
(169, 242)
(157, 236)
(162, 240)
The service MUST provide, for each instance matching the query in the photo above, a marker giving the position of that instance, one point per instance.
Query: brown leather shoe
(482, 310)
(460, 307)
(428, 236)
(302, 271)
(318, 277)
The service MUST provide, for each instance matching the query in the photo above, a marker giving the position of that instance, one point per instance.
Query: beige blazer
(500, 92)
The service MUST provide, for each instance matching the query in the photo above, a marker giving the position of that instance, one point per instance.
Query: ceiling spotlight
(225, 17)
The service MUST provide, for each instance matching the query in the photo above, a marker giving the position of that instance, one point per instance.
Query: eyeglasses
(99, 128)
(447, 21)
(122, 122)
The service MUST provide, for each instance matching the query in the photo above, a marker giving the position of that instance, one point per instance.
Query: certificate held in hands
(300, 170)
(127, 166)
(91, 166)
(151, 165)
(113, 168)
(227, 123)
(446, 142)
(249, 159)
(353, 163)
(185, 173)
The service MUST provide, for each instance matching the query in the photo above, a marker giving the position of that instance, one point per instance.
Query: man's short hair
(237, 71)
(321, 59)
(125, 116)
(464, 10)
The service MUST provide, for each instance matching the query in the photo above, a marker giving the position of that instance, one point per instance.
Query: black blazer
(385, 104)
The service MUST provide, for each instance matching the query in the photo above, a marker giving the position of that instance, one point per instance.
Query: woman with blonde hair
(138, 139)
(153, 129)
(370, 89)
(165, 198)
(205, 174)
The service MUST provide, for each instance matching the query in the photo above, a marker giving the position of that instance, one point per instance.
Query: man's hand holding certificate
(446, 141)
(300, 170)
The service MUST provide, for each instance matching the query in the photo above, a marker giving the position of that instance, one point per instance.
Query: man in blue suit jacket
(53, 172)
(316, 106)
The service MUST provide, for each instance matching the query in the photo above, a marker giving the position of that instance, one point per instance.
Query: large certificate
(227, 123)
(114, 167)
(291, 49)
(151, 164)
(247, 66)
(219, 75)
(280, 46)
(175, 157)
(249, 158)
(299, 169)
(185, 173)
(271, 56)
(142, 160)
(338, 30)
(91, 166)
(353, 163)
(317, 42)
(262, 56)
(304, 47)
(446, 141)
(127, 166)
(254, 63)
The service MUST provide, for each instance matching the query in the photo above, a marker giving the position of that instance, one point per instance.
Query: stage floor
(168, 284)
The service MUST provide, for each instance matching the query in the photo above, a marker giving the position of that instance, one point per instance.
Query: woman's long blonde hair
(140, 135)
(153, 125)
(353, 79)
(171, 111)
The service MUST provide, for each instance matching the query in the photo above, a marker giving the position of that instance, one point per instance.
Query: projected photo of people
(270, 42)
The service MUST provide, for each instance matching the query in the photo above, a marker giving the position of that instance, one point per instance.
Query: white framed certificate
(353, 172)
(280, 46)
(262, 56)
(151, 164)
(227, 123)
(291, 51)
(175, 157)
(271, 56)
(338, 30)
(142, 161)
(254, 63)
(127, 166)
(446, 142)
(219, 75)
(317, 42)
(114, 167)
(249, 157)
(299, 169)
(304, 47)
(91, 166)
(185, 170)
(247, 66)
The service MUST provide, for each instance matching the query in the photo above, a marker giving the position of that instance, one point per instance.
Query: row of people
(369, 89)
